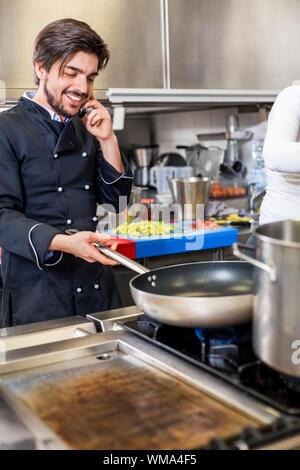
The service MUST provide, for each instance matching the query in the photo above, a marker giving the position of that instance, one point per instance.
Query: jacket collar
(34, 107)
(29, 95)
(66, 140)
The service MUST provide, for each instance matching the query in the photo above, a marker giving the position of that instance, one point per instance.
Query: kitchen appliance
(190, 193)
(143, 157)
(170, 159)
(206, 161)
(141, 176)
(210, 161)
(135, 383)
(137, 194)
(226, 353)
(232, 165)
(276, 321)
(159, 176)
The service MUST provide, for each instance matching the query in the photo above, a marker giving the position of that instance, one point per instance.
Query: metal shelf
(145, 101)
(175, 97)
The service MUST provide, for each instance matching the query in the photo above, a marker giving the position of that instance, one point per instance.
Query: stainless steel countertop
(52, 356)
(31, 360)
(13, 433)
(76, 352)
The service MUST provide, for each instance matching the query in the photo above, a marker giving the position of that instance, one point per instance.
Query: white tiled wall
(136, 132)
(182, 128)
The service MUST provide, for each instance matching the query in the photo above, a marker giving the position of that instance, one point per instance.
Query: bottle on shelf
(257, 172)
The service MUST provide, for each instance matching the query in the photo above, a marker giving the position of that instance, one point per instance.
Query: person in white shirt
(282, 158)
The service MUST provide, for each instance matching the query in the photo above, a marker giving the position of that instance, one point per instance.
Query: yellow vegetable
(144, 228)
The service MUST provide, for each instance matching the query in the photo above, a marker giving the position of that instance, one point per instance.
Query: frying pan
(212, 294)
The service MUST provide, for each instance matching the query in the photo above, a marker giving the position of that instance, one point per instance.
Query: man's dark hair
(61, 39)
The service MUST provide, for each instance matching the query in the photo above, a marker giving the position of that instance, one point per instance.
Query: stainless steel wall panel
(214, 44)
(131, 28)
(234, 44)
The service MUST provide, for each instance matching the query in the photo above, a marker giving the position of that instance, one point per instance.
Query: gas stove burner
(269, 378)
(219, 336)
(222, 348)
(233, 362)
(150, 327)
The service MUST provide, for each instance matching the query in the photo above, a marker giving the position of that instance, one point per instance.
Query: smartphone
(83, 112)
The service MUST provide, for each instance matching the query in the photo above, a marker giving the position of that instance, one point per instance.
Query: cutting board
(180, 242)
(125, 247)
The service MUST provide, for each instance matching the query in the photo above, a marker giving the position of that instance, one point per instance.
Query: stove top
(228, 355)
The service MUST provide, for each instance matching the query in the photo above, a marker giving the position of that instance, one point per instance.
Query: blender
(143, 157)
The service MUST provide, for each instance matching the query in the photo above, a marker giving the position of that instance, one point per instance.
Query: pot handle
(258, 264)
(114, 255)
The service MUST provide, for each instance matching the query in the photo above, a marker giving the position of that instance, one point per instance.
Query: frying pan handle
(258, 264)
(114, 255)
(127, 262)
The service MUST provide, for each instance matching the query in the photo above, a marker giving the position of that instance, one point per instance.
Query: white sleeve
(281, 149)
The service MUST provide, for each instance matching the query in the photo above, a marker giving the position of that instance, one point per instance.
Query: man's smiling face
(66, 91)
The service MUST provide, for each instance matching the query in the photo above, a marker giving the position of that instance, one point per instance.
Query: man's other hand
(81, 244)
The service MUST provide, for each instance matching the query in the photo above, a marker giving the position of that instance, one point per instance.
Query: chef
(281, 155)
(54, 168)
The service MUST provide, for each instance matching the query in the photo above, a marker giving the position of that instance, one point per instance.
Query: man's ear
(40, 71)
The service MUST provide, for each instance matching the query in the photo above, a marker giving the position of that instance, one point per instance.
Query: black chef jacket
(51, 177)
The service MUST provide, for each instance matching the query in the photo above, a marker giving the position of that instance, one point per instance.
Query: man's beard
(58, 108)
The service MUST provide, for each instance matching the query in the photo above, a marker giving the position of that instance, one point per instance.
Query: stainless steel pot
(276, 309)
(188, 193)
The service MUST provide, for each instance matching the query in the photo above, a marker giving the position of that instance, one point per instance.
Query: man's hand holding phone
(98, 123)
